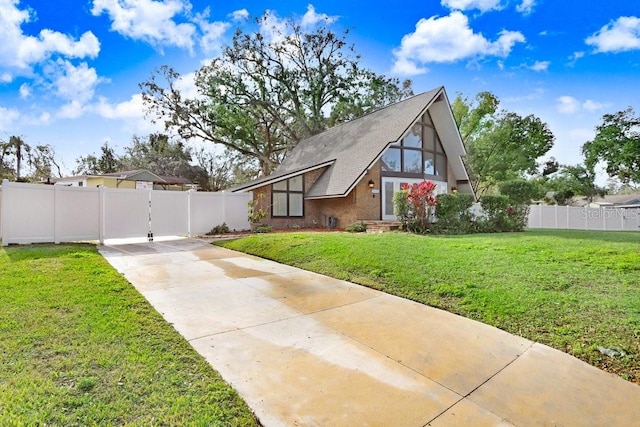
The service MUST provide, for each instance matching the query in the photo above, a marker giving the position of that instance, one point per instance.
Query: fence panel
(27, 215)
(575, 218)
(235, 210)
(126, 213)
(169, 213)
(0, 212)
(77, 213)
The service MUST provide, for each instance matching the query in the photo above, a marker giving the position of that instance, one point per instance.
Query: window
(419, 154)
(287, 197)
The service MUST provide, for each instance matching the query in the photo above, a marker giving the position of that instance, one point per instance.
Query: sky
(70, 70)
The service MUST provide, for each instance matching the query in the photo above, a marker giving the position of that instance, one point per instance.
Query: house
(350, 173)
(135, 179)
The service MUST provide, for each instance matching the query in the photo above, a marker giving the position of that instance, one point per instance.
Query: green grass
(571, 290)
(80, 346)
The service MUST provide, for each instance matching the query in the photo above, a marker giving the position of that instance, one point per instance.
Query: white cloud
(20, 51)
(6, 78)
(131, 113)
(212, 32)
(7, 117)
(540, 66)
(75, 83)
(590, 105)
(570, 105)
(573, 58)
(149, 20)
(526, 7)
(482, 5)
(239, 15)
(132, 108)
(620, 35)
(448, 39)
(25, 91)
(567, 105)
(311, 18)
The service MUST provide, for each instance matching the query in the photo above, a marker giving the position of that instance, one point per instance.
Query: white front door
(390, 185)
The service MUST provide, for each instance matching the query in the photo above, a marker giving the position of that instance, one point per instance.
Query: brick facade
(360, 204)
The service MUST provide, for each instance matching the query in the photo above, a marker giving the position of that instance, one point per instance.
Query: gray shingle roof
(351, 148)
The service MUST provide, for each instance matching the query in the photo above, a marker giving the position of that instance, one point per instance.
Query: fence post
(101, 215)
(189, 193)
(56, 238)
(3, 214)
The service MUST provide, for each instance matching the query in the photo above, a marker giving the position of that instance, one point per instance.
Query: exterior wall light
(371, 183)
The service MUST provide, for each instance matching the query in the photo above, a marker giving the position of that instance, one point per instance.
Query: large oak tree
(501, 145)
(270, 89)
(617, 145)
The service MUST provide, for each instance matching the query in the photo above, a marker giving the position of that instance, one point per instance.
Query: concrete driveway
(306, 349)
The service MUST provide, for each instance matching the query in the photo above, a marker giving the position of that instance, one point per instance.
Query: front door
(390, 185)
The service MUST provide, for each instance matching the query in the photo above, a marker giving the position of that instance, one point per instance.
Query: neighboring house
(628, 201)
(349, 173)
(140, 179)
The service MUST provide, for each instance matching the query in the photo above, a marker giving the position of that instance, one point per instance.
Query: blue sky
(69, 70)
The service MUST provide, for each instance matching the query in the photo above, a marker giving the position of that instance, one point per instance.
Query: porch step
(381, 226)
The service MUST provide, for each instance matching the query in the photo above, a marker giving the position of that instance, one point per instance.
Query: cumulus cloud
(448, 39)
(540, 66)
(25, 91)
(20, 51)
(312, 18)
(212, 32)
(481, 5)
(7, 117)
(570, 105)
(131, 108)
(620, 35)
(239, 15)
(567, 105)
(131, 113)
(149, 20)
(75, 83)
(526, 7)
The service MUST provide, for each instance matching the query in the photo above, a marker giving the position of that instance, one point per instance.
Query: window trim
(288, 192)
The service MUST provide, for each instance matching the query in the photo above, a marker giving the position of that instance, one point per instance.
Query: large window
(419, 154)
(288, 198)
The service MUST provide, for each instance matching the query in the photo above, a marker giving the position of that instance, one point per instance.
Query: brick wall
(359, 204)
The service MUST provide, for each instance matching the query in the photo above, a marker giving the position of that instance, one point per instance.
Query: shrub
(521, 191)
(401, 207)
(502, 215)
(263, 229)
(255, 211)
(454, 215)
(358, 227)
(219, 229)
(414, 205)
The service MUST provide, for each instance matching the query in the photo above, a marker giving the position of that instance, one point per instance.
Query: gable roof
(350, 149)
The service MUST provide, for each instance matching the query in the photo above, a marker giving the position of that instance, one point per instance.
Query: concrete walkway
(305, 349)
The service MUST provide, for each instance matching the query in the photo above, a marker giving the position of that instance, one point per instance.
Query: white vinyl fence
(575, 218)
(31, 213)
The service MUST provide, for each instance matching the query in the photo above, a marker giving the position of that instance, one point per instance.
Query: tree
(574, 180)
(108, 162)
(500, 145)
(268, 90)
(617, 144)
(16, 157)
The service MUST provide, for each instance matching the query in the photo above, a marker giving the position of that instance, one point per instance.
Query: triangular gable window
(419, 154)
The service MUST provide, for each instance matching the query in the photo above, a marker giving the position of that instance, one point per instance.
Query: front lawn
(572, 290)
(80, 346)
